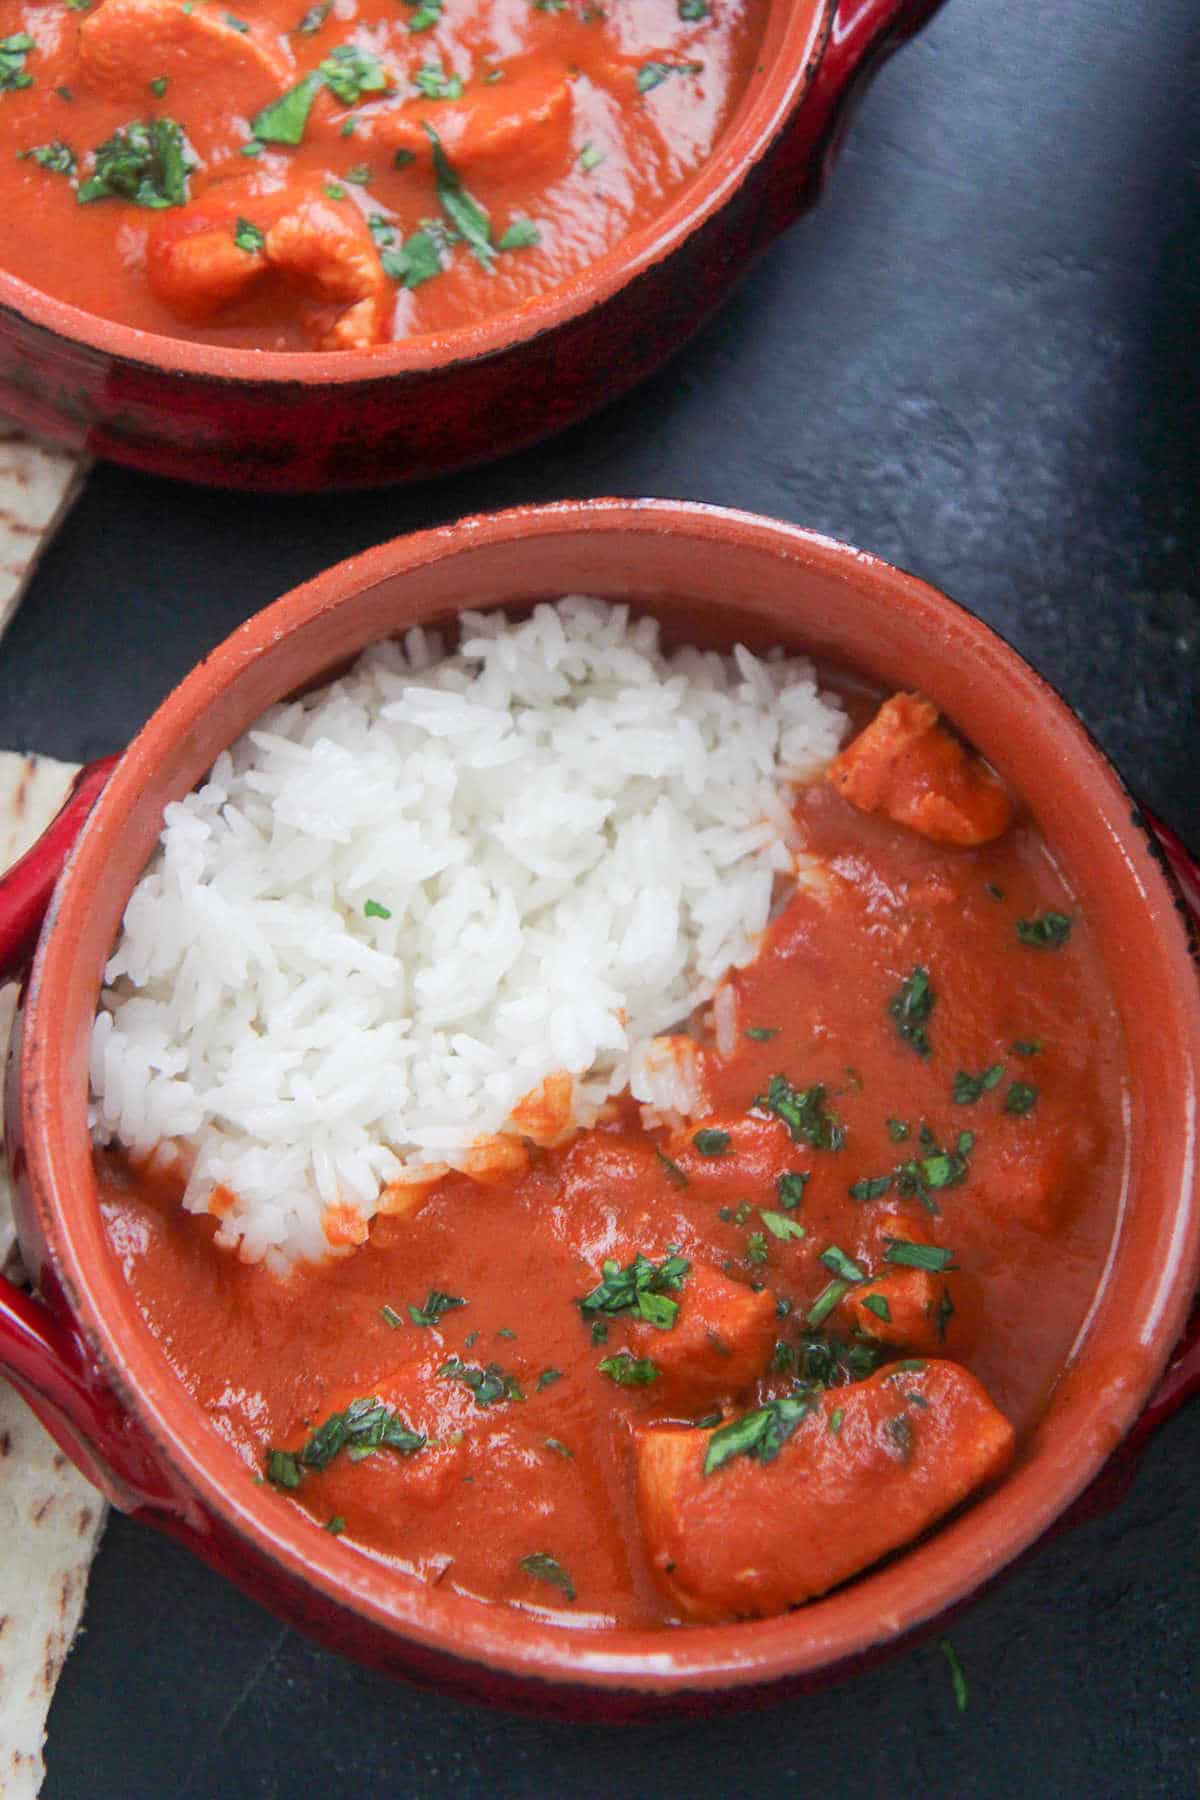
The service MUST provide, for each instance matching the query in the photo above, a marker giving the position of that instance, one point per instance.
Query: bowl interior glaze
(710, 575)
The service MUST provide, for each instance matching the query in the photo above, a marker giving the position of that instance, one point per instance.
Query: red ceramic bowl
(259, 419)
(86, 1359)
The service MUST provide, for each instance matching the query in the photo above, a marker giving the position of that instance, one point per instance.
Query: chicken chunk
(328, 250)
(124, 45)
(909, 767)
(526, 116)
(721, 1342)
(864, 1472)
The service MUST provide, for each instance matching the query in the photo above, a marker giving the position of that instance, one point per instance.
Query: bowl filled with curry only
(311, 248)
(633, 1344)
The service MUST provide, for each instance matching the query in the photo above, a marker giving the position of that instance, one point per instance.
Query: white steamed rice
(575, 837)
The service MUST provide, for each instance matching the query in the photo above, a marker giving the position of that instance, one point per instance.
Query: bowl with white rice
(424, 871)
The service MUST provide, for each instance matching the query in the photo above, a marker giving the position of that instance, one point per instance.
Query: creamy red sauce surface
(347, 175)
(532, 1451)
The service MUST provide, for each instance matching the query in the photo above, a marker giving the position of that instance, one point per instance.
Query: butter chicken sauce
(713, 1371)
(342, 177)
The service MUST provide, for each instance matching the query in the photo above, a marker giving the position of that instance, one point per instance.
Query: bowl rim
(922, 1582)
(757, 123)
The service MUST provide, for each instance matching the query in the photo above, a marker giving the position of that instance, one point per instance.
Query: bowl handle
(41, 1352)
(863, 34)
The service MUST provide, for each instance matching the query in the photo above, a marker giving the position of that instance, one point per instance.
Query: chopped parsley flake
(56, 156)
(548, 1377)
(559, 1448)
(945, 1313)
(435, 1306)
(918, 1256)
(432, 81)
(1020, 1098)
(835, 1420)
(545, 1568)
(629, 1371)
(464, 213)
(653, 74)
(158, 86)
(672, 1169)
(391, 1317)
(756, 1248)
(336, 1525)
(871, 1187)
(692, 10)
(489, 1386)
(372, 909)
(248, 237)
(349, 72)
(839, 1264)
(589, 157)
(790, 1189)
(284, 120)
(958, 1680)
(366, 1425)
(143, 162)
(898, 1130)
(642, 1290)
(360, 176)
(877, 1304)
(522, 234)
(13, 51)
(313, 19)
(426, 15)
(829, 1297)
(780, 1226)
(712, 1143)
(911, 1009)
(1049, 931)
(760, 1434)
(761, 1034)
(1026, 1046)
(804, 1112)
(969, 1088)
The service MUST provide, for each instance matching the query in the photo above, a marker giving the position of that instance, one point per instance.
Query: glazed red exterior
(272, 421)
(93, 1370)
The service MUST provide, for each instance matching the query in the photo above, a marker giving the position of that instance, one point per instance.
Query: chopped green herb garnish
(839, 1264)
(335, 191)
(470, 1339)
(1020, 1098)
(426, 15)
(672, 1169)
(877, 1304)
(918, 1256)
(760, 1434)
(522, 234)
(992, 891)
(13, 51)
(284, 120)
(871, 1187)
(313, 19)
(790, 1189)
(360, 176)
(1026, 1046)
(466, 215)
(545, 1568)
(958, 1680)
(826, 1300)
(1049, 931)
(253, 148)
(629, 1371)
(336, 1525)
(712, 1143)
(248, 237)
(432, 81)
(653, 74)
(57, 157)
(417, 260)
(366, 1425)
(945, 1313)
(158, 86)
(599, 1331)
(373, 910)
(402, 159)
(762, 1034)
(969, 1088)
(804, 1112)
(504, 1332)
(489, 1386)
(756, 1248)
(589, 157)
(692, 10)
(391, 1317)
(911, 1008)
(64, 93)
(236, 24)
(436, 1305)
(898, 1130)
(548, 1377)
(559, 1448)
(143, 162)
(350, 71)
(783, 1307)
(926, 1175)
(835, 1420)
(641, 1289)
(780, 1226)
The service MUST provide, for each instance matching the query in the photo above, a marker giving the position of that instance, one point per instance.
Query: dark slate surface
(980, 360)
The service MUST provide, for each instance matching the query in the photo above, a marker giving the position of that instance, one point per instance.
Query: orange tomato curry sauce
(342, 177)
(864, 1268)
